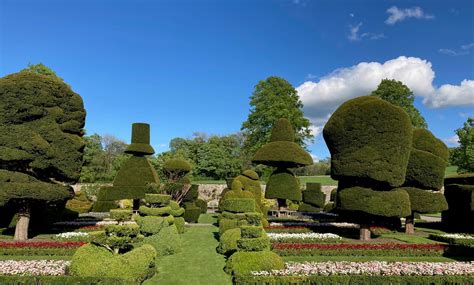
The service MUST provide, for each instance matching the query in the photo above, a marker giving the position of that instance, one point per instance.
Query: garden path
(198, 263)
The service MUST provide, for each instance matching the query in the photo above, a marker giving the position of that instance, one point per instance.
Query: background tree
(272, 99)
(400, 95)
(41, 145)
(463, 156)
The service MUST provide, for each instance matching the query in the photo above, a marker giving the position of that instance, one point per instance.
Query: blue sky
(190, 66)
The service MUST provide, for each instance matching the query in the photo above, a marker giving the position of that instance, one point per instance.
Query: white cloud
(398, 15)
(452, 141)
(355, 36)
(468, 46)
(463, 50)
(315, 157)
(321, 98)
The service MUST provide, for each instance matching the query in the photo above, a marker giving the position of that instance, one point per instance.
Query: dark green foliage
(140, 140)
(177, 164)
(79, 204)
(253, 244)
(159, 199)
(425, 170)
(150, 225)
(370, 140)
(250, 174)
(239, 205)
(426, 141)
(228, 241)
(228, 224)
(192, 194)
(283, 184)
(148, 211)
(313, 195)
(202, 205)
(308, 208)
(250, 218)
(95, 261)
(463, 155)
(251, 231)
(179, 224)
(329, 207)
(136, 172)
(242, 263)
(463, 179)
(395, 203)
(282, 131)
(120, 237)
(121, 215)
(460, 200)
(423, 201)
(191, 214)
(104, 206)
(166, 242)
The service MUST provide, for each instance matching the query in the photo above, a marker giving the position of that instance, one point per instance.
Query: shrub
(179, 224)
(423, 201)
(79, 204)
(228, 224)
(313, 195)
(370, 139)
(166, 242)
(150, 225)
(121, 215)
(251, 231)
(253, 244)
(228, 241)
(239, 205)
(95, 261)
(159, 199)
(191, 214)
(425, 170)
(163, 211)
(308, 208)
(460, 198)
(202, 205)
(283, 184)
(242, 263)
(120, 237)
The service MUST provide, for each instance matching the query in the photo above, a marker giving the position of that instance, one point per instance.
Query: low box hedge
(251, 231)
(60, 280)
(239, 205)
(160, 199)
(253, 244)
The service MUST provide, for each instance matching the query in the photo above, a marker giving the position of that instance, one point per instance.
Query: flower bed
(71, 235)
(382, 249)
(33, 267)
(315, 224)
(303, 237)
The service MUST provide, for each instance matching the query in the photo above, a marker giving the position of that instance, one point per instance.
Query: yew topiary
(41, 145)
(459, 193)
(283, 153)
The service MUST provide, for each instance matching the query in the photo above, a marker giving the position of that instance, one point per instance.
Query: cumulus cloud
(399, 15)
(452, 141)
(321, 98)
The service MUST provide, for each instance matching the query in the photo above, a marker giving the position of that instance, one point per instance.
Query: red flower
(355, 246)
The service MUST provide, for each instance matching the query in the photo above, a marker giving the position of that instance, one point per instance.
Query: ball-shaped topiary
(369, 140)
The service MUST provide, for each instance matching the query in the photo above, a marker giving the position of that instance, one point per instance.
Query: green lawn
(198, 262)
(406, 238)
(450, 170)
(367, 258)
(208, 218)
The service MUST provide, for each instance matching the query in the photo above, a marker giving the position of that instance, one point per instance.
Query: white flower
(458, 236)
(72, 235)
(34, 267)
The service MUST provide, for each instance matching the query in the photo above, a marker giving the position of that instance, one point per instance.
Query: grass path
(198, 263)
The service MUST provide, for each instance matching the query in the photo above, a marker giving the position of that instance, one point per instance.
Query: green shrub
(424, 140)
(425, 170)
(423, 201)
(239, 205)
(251, 183)
(333, 195)
(120, 237)
(121, 215)
(228, 224)
(150, 225)
(179, 224)
(159, 199)
(283, 184)
(177, 164)
(242, 263)
(191, 214)
(95, 261)
(104, 206)
(140, 140)
(178, 212)
(370, 139)
(251, 231)
(253, 244)
(462, 179)
(394, 203)
(460, 200)
(166, 242)
(313, 195)
(33, 251)
(202, 205)
(254, 218)
(307, 208)
(192, 194)
(228, 241)
(329, 207)
(169, 219)
(163, 211)
(79, 203)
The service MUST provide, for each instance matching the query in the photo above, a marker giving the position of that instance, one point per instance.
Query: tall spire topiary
(369, 140)
(136, 174)
(425, 175)
(283, 153)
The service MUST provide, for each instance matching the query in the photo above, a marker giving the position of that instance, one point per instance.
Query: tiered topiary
(193, 206)
(424, 175)
(459, 193)
(135, 176)
(160, 211)
(283, 153)
(370, 141)
(313, 198)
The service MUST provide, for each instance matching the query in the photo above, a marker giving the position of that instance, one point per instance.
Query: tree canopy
(272, 99)
(400, 95)
(463, 156)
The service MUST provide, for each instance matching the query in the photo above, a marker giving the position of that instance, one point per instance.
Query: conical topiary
(282, 152)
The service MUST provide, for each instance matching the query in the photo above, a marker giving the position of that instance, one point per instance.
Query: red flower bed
(355, 246)
(41, 244)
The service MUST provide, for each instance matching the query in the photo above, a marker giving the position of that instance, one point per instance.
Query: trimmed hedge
(395, 203)
(242, 263)
(254, 219)
(163, 211)
(166, 242)
(228, 241)
(426, 141)
(369, 139)
(179, 223)
(239, 205)
(201, 204)
(177, 164)
(283, 184)
(313, 195)
(95, 261)
(191, 214)
(251, 231)
(150, 225)
(160, 199)
(121, 215)
(254, 244)
(60, 280)
(425, 170)
(423, 201)
(38, 251)
(460, 199)
(192, 194)
(307, 208)
(140, 140)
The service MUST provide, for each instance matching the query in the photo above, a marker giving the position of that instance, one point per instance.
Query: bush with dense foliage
(459, 193)
(242, 263)
(313, 198)
(228, 241)
(41, 129)
(283, 153)
(166, 242)
(94, 261)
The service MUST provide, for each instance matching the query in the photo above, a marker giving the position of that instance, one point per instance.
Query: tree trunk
(364, 232)
(410, 225)
(136, 204)
(21, 229)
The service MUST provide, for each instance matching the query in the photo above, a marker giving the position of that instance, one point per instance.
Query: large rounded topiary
(370, 141)
(425, 172)
(282, 152)
(41, 145)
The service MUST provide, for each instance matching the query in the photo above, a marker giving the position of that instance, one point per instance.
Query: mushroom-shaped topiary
(425, 172)
(283, 153)
(176, 168)
(370, 141)
(135, 175)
